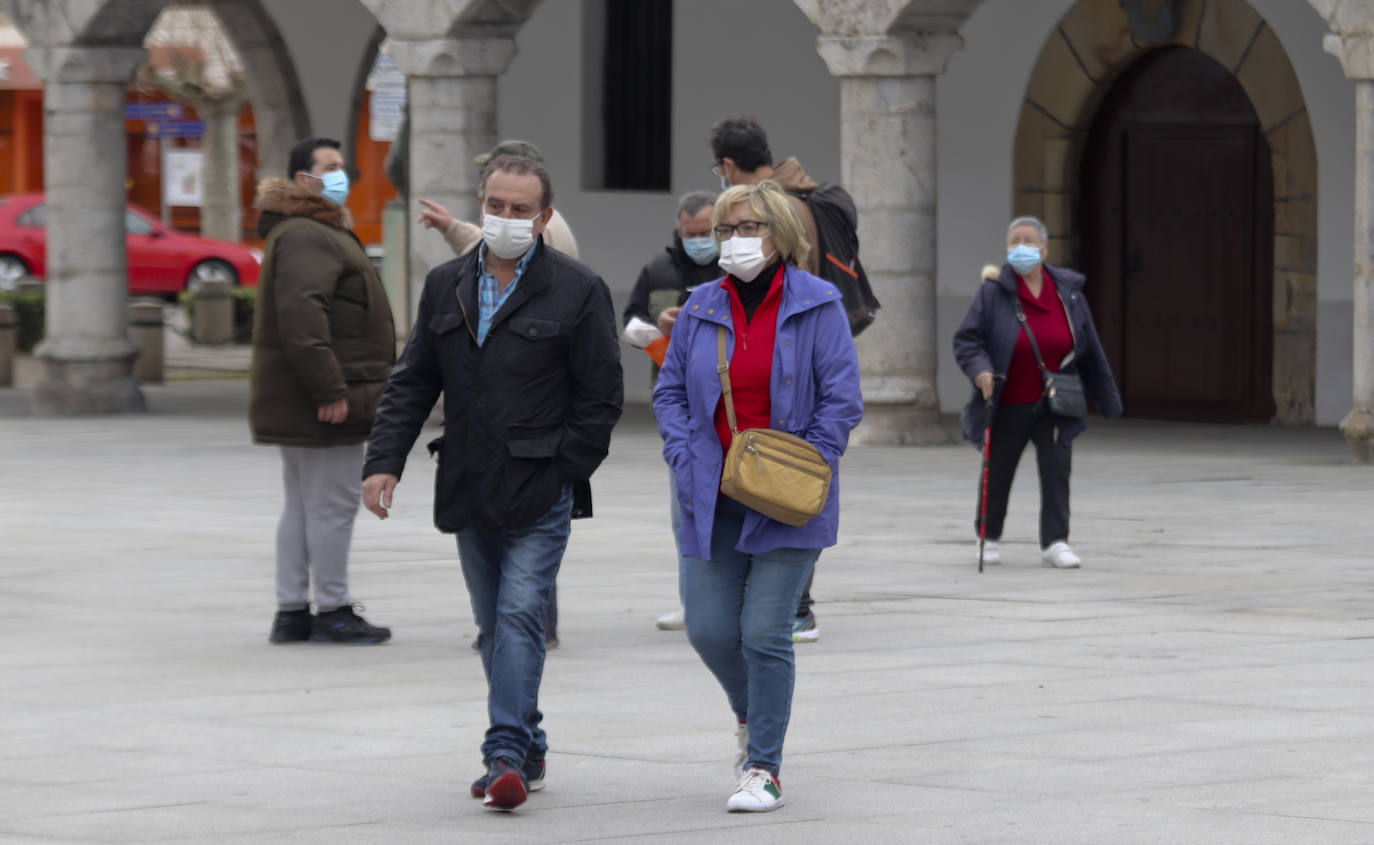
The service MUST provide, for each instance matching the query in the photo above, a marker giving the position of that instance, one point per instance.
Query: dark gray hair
(691, 204)
(522, 166)
(1034, 223)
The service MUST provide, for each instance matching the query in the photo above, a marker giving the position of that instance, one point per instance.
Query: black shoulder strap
(1021, 317)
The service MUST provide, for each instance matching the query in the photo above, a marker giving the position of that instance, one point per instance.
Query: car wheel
(12, 269)
(211, 270)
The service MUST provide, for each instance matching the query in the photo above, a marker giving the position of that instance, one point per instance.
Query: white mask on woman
(743, 257)
(507, 237)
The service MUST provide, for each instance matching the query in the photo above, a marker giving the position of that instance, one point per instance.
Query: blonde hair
(767, 199)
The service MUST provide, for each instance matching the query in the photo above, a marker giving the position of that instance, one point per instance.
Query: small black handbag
(1063, 394)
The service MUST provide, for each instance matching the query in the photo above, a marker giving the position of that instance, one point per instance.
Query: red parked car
(161, 260)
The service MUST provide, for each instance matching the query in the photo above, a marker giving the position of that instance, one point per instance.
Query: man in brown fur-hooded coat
(323, 347)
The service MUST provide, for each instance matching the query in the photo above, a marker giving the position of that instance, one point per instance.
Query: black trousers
(1013, 427)
(804, 606)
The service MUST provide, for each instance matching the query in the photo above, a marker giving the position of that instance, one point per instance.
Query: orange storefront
(21, 156)
(21, 125)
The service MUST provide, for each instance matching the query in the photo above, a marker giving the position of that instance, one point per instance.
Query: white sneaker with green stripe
(758, 792)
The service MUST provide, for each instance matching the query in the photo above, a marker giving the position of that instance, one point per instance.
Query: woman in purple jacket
(793, 367)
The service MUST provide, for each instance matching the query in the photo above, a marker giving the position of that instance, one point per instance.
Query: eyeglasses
(717, 170)
(746, 228)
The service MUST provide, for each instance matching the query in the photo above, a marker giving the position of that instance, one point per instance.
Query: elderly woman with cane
(761, 356)
(1029, 327)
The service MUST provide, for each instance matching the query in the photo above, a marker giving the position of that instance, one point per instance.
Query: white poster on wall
(181, 182)
(387, 101)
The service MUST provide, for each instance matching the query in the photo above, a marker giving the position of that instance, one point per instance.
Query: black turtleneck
(752, 294)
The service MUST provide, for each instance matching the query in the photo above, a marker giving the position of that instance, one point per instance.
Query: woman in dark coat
(997, 356)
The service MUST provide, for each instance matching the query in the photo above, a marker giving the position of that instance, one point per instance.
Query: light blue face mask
(1023, 258)
(702, 250)
(335, 186)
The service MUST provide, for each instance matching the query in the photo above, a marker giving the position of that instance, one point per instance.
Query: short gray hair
(693, 202)
(1034, 223)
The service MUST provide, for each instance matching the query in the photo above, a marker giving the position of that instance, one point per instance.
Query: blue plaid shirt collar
(489, 295)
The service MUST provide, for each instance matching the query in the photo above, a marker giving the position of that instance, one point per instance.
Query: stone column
(87, 357)
(887, 150)
(1356, 52)
(221, 215)
(451, 97)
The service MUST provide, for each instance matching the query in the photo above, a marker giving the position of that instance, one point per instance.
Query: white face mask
(507, 237)
(743, 257)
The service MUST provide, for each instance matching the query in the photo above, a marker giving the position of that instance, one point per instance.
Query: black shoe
(345, 626)
(506, 785)
(291, 626)
(533, 770)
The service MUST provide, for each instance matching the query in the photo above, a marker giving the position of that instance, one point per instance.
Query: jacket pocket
(544, 446)
(447, 333)
(527, 484)
(540, 346)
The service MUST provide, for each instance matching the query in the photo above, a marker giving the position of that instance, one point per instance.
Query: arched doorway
(1093, 46)
(1177, 211)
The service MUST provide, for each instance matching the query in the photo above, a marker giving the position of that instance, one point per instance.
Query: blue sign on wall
(176, 128)
(154, 111)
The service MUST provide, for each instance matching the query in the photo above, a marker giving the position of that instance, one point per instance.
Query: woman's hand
(435, 216)
(984, 382)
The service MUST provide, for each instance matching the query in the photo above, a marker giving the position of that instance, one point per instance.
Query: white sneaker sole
(732, 807)
(1052, 565)
(807, 636)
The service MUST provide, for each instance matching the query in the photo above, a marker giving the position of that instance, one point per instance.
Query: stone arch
(279, 112)
(1090, 48)
(278, 108)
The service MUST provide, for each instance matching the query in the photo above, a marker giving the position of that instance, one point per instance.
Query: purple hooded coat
(814, 394)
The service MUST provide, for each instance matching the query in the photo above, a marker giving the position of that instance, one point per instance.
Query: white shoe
(674, 621)
(1060, 556)
(742, 758)
(757, 792)
(991, 554)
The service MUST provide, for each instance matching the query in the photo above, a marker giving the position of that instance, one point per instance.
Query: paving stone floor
(1205, 678)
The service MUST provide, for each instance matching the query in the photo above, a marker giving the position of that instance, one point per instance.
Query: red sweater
(1047, 319)
(751, 364)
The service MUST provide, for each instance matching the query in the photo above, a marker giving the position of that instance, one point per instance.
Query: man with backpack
(740, 149)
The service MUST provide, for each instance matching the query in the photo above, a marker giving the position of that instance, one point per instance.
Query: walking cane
(989, 407)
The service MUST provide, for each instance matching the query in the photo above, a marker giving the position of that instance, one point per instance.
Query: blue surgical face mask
(724, 183)
(702, 250)
(1023, 258)
(335, 186)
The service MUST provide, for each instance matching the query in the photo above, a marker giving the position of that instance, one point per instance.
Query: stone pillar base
(899, 425)
(1358, 428)
(87, 387)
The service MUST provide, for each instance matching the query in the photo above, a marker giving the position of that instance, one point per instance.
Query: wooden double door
(1177, 233)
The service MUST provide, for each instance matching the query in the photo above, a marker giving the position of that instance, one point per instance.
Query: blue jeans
(509, 575)
(740, 609)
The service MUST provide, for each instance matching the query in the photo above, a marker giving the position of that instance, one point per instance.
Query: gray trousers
(323, 491)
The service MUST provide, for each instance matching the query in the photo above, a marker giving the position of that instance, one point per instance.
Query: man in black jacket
(656, 301)
(664, 282)
(521, 341)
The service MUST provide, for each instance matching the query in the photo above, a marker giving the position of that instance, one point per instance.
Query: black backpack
(837, 225)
